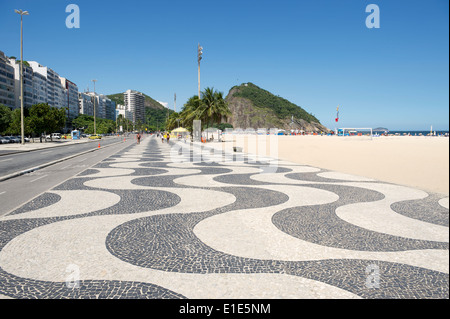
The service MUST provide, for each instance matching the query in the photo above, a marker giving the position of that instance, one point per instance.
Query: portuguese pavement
(153, 222)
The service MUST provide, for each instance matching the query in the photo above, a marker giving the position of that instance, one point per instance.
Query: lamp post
(22, 13)
(199, 57)
(95, 128)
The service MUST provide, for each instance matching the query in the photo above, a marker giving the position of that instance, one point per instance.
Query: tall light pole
(95, 128)
(22, 13)
(199, 57)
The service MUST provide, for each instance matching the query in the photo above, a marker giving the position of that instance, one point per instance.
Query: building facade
(85, 104)
(135, 103)
(71, 98)
(27, 83)
(7, 86)
(104, 107)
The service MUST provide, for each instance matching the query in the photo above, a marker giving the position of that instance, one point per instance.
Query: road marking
(37, 178)
(46, 152)
(2, 193)
(66, 167)
(9, 159)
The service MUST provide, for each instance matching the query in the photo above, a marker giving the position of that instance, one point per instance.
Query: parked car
(13, 139)
(4, 140)
(95, 137)
(26, 139)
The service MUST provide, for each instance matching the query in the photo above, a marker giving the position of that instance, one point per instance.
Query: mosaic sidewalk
(141, 225)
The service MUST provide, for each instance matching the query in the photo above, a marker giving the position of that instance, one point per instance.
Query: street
(18, 190)
(15, 162)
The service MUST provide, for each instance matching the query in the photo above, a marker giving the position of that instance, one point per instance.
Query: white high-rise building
(134, 102)
(7, 86)
(71, 97)
(86, 103)
(49, 87)
(104, 106)
(28, 100)
(124, 111)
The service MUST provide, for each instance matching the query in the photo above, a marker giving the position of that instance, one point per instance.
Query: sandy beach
(416, 161)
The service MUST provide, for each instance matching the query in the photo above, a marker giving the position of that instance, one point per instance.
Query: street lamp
(95, 128)
(199, 57)
(22, 13)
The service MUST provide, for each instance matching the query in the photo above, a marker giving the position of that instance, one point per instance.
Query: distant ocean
(418, 132)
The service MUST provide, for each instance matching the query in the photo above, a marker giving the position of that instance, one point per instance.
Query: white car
(4, 140)
(54, 136)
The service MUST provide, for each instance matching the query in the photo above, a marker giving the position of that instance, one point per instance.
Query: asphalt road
(16, 162)
(17, 191)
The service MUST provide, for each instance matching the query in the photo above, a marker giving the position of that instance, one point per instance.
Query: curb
(29, 170)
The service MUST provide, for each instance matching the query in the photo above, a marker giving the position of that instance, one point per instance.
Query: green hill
(255, 107)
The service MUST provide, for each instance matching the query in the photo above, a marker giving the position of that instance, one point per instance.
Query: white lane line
(9, 159)
(46, 152)
(37, 178)
(2, 193)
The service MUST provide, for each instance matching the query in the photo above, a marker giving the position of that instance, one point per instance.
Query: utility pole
(95, 128)
(199, 57)
(22, 13)
(175, 102)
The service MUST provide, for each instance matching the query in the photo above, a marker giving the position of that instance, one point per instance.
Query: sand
(417, 161)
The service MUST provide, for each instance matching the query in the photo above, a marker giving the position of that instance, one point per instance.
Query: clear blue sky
(316, 53)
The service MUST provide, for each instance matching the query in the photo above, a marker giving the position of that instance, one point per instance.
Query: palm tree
(210, 109)
(172, 121)
(214, 108)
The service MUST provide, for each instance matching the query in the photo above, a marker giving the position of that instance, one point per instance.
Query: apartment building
(124, 111)
(7, 92)
(110, 109)
(27, 83)
(134, 102)
(70, 98)
(104, 107)
(85, 104)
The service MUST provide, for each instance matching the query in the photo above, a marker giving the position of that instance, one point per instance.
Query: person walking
(138, 138)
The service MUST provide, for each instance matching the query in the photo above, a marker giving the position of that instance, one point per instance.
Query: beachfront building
(134, 102)
(70, 98)
(124, 111)
(85, 103)
(110, 109)
(27, 83)
(105, 108)
(7, 92)
(49, 87)
(39, 88)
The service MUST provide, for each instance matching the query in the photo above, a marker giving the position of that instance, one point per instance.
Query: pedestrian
(168, 137)
(139, 138)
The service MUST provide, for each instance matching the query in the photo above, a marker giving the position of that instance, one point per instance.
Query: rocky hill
(253, 107)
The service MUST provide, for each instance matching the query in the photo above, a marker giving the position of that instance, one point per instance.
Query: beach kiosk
(179, 132)
(75, 135)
